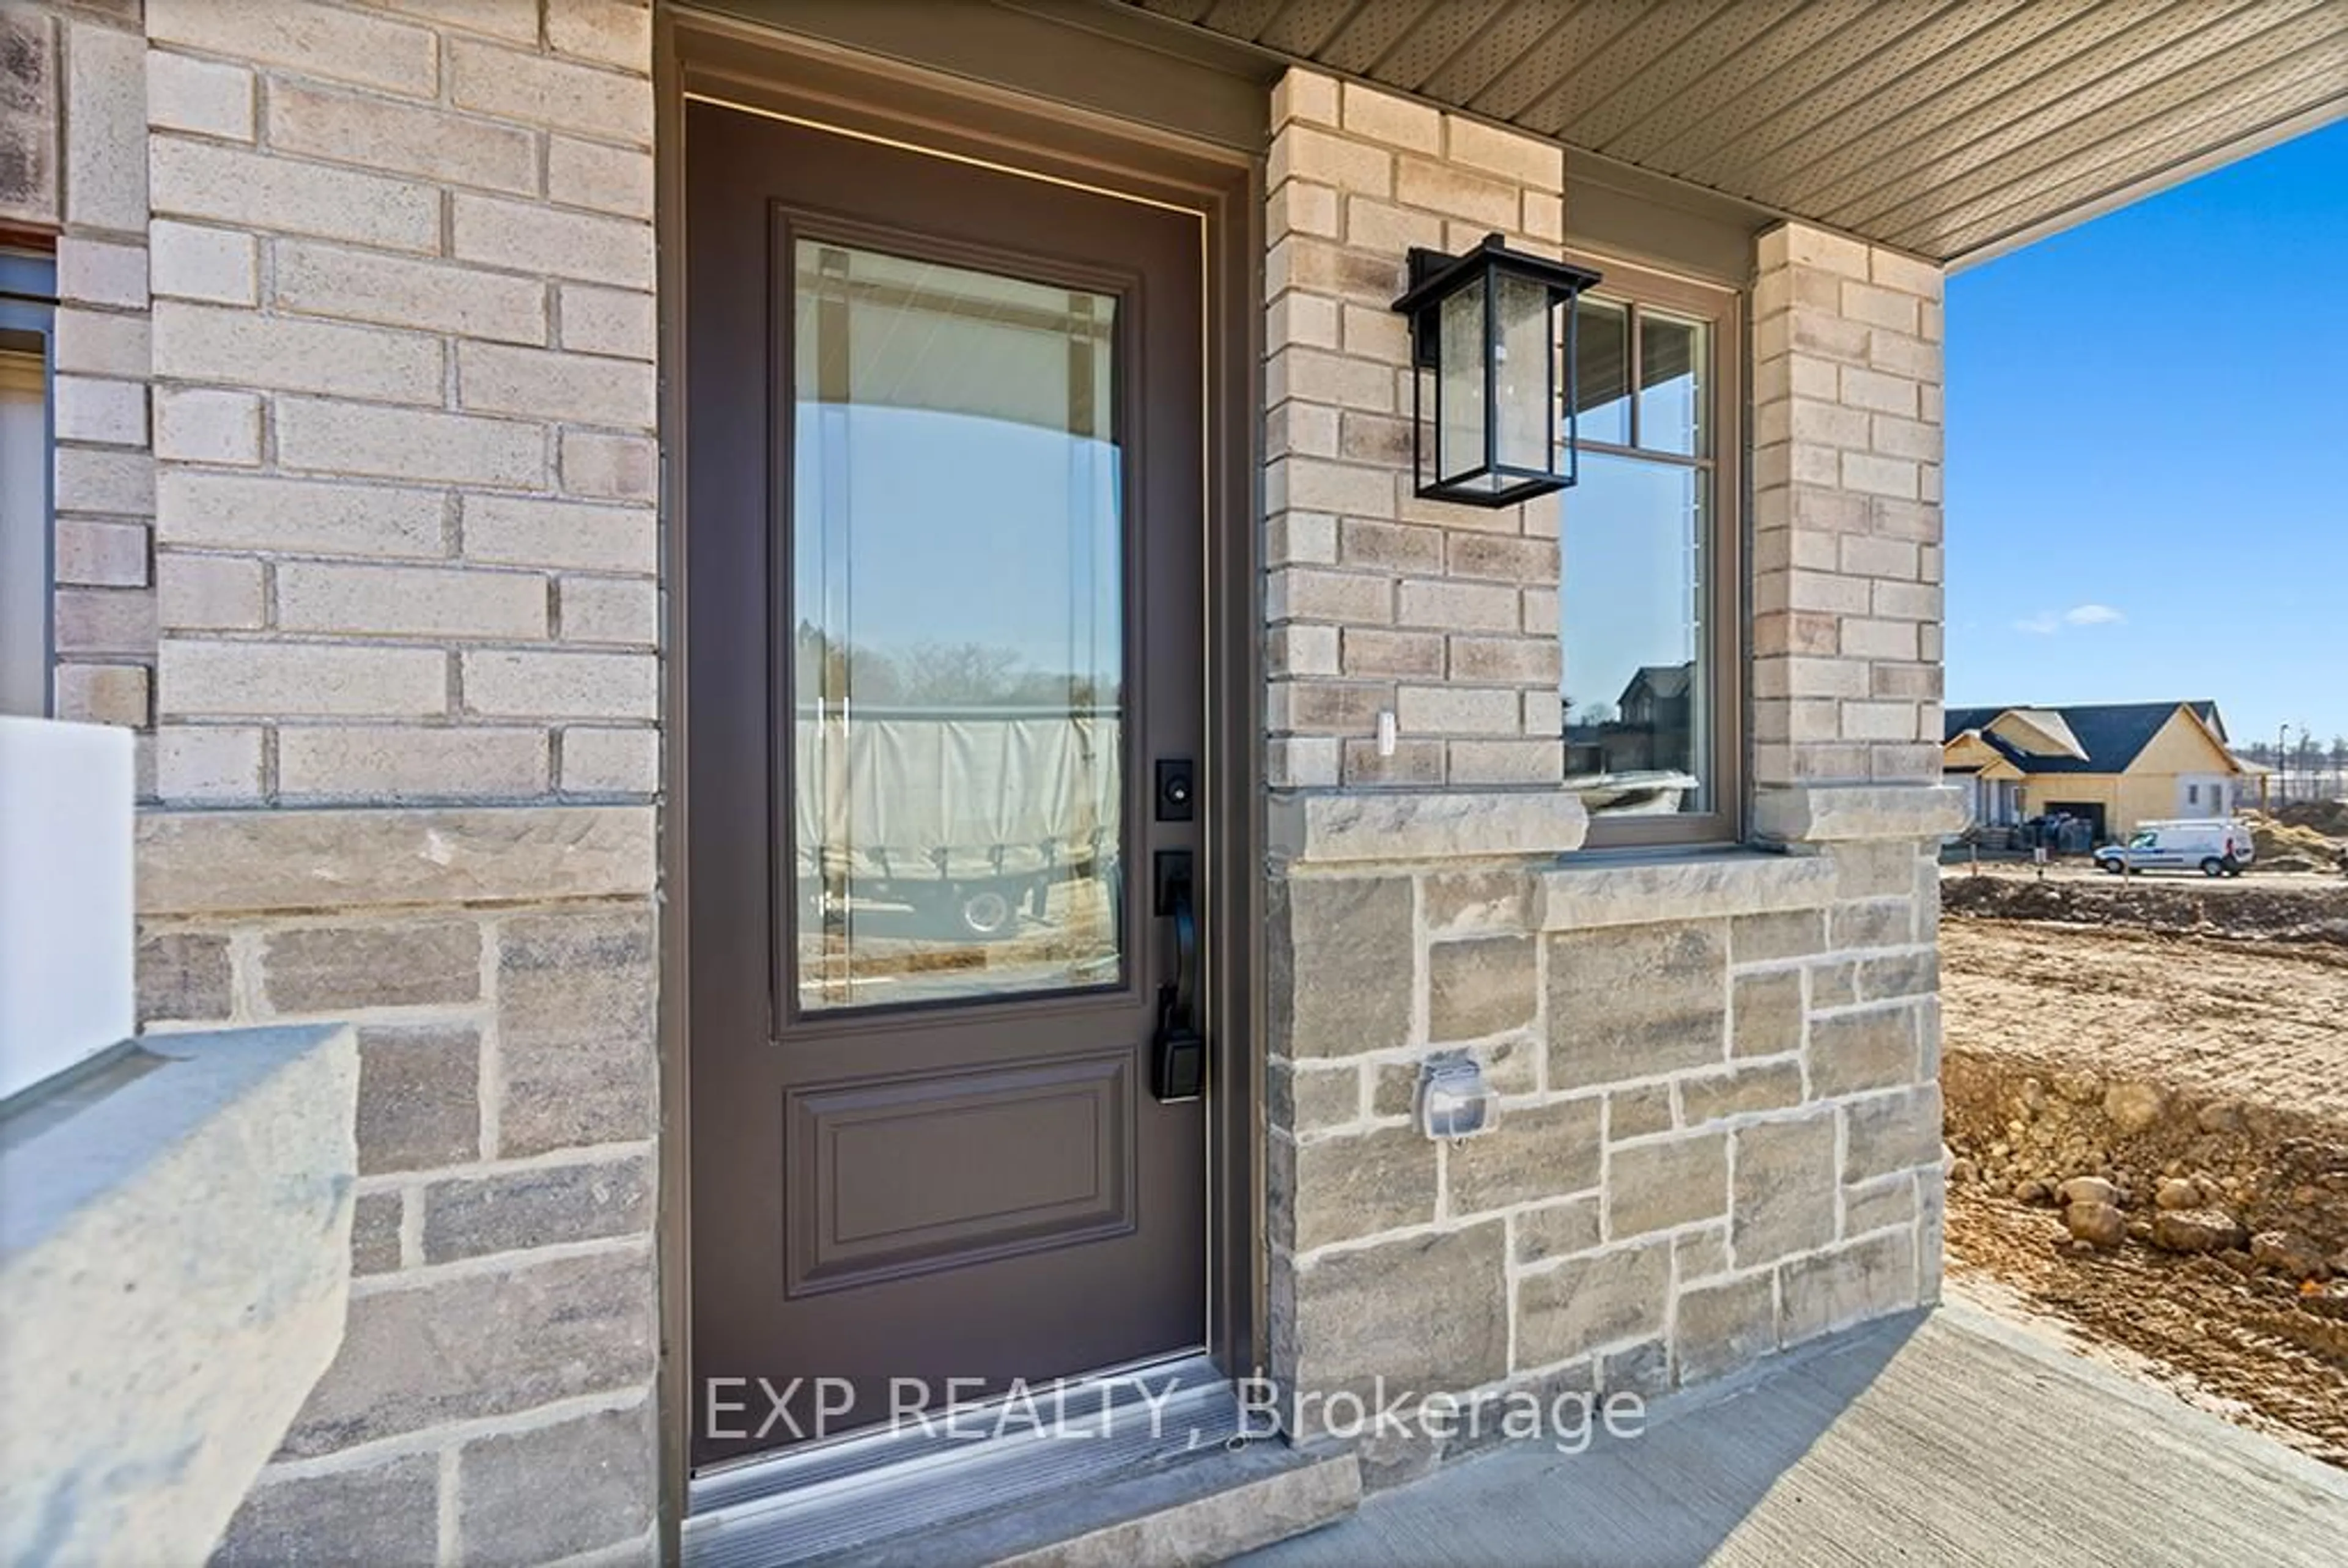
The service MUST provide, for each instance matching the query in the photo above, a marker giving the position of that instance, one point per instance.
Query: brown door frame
(752, 68)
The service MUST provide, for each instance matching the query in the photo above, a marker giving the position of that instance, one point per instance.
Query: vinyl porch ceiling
(1952, 129)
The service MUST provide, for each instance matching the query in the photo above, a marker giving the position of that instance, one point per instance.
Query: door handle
(1178, 1055)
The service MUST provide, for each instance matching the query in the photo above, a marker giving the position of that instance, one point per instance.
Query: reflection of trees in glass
(929, 674)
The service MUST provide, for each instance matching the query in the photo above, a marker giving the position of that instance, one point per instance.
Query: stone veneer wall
(1720, 1128)
(385, 272)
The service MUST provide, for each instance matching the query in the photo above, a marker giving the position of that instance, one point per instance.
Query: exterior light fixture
(1484, 344)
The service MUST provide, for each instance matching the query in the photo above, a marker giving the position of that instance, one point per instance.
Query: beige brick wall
(360, 316)
(403, 335)
(76, 162)
(1442, 615)
(1847, 606)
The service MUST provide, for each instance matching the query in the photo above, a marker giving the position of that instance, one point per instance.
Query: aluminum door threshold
(833, 1498)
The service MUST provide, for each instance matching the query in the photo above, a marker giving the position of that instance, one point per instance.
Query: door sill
(810, 1504)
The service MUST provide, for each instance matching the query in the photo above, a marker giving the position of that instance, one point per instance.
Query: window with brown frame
(27, 283)
(1648, 602)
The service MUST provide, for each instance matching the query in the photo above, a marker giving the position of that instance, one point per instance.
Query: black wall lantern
(1484, 343)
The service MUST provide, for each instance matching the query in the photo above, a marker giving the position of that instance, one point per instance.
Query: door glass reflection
(957, 593)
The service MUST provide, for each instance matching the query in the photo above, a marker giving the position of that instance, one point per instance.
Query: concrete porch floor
(1952, 1438)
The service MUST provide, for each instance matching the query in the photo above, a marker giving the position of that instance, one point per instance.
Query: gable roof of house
(1665, 681)
(2112, 735)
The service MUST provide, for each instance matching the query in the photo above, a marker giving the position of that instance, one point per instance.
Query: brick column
(1444, 615)
(1846, 512)
(406, 556)
(76, 155)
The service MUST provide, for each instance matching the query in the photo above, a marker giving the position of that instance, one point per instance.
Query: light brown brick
(1527, 160)
(224, 510)
(251, 190)
(616, 179)
(266, 680)
(1307, 152)
(206, 96)
(102, 411)
(103, 621)
(524, 531)
(409, 763)
(241, 348)
(206, 593)
(343, 45)
(100, 342)
(610, 32)
(1352, 598)
(1455, 191)
(102, 693)
(402, 139)
(205, 424)
(610, 762)
(536, 90)
(415, 601)
(620, 467)
(616, 321)
(536, 239)
(194, 262)
(1456, 711)
(1365, 111)
(209, 763)
(514, 19)
(106, 155)
(1458, 606)
(611, 610)
(101, 272)
(409, 443)
(565, 685)
(98, 554)
(393, 291)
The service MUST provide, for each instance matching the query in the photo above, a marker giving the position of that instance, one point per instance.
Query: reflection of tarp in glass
(905, 796)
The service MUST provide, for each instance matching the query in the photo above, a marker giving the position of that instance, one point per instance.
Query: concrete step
(1202, 1509)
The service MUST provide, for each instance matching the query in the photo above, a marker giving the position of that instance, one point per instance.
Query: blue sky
(2148, 452)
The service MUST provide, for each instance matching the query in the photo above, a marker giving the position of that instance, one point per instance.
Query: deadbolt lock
(1177, 800)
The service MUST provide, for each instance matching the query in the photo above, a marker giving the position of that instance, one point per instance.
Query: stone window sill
(175, 1225)
(1635, 888)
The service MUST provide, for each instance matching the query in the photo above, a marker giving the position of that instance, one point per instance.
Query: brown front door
(943, 672)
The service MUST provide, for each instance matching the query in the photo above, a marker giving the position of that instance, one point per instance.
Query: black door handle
(1178, 1063)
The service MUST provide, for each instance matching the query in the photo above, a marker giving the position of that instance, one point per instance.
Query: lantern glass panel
(1460, 394)
(1525, 361)
(1601, 337)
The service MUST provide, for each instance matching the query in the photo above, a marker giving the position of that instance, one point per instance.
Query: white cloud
(2047, 622)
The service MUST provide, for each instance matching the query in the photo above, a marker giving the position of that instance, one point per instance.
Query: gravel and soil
(2190, 1060)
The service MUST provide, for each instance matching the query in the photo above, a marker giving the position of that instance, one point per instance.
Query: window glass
(1634, 637)
(24, 514)
(958, 585)
(1672, 391)
(1602, 357)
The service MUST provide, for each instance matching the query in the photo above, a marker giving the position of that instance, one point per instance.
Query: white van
(2211, 846)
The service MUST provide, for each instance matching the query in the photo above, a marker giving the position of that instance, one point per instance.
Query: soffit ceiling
(1952, 129)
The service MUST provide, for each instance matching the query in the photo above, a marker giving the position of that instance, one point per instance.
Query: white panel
(64, 895)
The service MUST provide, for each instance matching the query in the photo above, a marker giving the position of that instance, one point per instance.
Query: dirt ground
(2235, 1046)
(2267, 1022)
(2269, 907)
